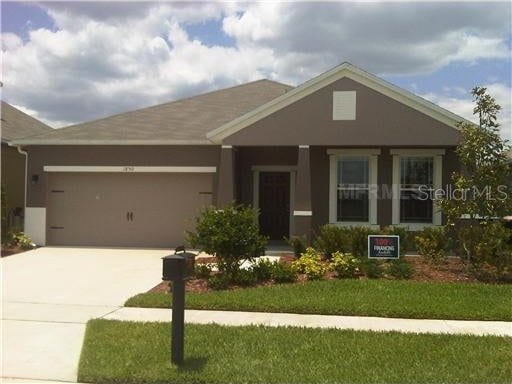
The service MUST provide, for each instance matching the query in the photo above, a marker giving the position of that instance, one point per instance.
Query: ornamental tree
(483, 177)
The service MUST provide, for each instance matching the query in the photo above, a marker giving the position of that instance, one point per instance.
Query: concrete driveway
(48, 295)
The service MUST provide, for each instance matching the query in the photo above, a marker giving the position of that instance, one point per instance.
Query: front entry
(274, 204)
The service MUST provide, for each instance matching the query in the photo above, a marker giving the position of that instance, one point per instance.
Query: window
(416, 173)
(352, 197)
(353, 189)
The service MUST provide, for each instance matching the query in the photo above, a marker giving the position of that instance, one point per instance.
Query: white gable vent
(344, 105)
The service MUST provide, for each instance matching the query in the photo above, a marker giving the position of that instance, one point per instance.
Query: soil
(8, 250)
(452, 269)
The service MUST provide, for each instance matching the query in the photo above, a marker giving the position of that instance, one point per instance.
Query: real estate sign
(383, 246)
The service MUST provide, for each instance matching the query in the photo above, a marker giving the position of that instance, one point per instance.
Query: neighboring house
(304, 156)
(16, 125)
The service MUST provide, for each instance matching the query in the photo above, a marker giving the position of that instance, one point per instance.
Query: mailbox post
(174, 267)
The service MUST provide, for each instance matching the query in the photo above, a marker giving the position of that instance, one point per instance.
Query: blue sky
(104, 58)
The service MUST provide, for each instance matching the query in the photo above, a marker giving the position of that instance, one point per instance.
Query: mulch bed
(8, 250)
(452, 269)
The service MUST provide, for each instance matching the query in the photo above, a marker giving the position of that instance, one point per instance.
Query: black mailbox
(174, 267)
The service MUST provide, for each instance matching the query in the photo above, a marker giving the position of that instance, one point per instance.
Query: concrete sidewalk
(476, 328)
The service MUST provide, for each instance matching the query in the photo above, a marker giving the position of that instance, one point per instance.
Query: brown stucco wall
(39, 156)
(13, 174)
(380, 121)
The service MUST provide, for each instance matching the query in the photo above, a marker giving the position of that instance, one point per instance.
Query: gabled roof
(16, 124)
(185, 121)
(344, 70)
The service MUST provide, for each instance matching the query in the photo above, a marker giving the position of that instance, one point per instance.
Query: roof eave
(112, 142)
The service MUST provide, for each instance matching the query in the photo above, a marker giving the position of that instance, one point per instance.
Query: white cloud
(106, 58)
(463, 105)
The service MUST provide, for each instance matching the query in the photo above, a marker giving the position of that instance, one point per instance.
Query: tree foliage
(481, 184)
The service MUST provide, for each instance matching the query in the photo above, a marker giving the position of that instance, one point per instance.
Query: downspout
(24, 153)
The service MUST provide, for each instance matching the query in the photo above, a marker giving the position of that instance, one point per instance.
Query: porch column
(302, 205)
(225, 182)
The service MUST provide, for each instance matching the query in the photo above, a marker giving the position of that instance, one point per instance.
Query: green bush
(310, 263)
(400, 269)
(359, 240)
(345, 265)
(283, 273)
(298, 243)
(244, 278)
(262, 269)
(407, 237)
(372, 269)
(20, 239)
(331, 239)
(202, 271)
(432, 243)
(495, 250)
(231, 234)
(218, 282)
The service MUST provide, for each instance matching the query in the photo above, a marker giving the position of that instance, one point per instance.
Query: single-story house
(345, 148)
(15, 125)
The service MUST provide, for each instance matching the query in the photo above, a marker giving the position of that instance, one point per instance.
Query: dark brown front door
(274, 203)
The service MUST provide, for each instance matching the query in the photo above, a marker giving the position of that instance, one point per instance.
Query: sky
(68, 62)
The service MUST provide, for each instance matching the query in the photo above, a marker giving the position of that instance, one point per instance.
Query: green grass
(127, 352)
(356, 297)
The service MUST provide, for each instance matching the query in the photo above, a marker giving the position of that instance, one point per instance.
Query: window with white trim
(416, 175)
(416, 182)
(352, 187)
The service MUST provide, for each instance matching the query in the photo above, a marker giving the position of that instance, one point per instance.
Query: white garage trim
(35, 224)
(128, 169)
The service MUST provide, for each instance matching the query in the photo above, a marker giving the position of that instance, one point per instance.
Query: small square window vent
(344, 105)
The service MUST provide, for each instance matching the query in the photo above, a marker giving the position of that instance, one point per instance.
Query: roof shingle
(183, 121)
(16, 124)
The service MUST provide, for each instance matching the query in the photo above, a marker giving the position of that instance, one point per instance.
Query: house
(15, 125)
(345, 147)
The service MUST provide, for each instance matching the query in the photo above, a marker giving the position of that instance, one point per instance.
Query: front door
(274, 204)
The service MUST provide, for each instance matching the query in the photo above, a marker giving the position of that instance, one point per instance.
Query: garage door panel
(132, 210)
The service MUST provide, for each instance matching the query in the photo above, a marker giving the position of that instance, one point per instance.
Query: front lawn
(383, 298)
(127, 352)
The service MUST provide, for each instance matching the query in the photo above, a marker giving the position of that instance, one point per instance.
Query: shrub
(407, 237)
(431, 243)
(283, 273)
(400, 269)
(231, 234)
(262, 269)
(331, 239)
(359, 240)
(311, 264)
(298, 243)
(20, 239)
(495, 249)
(372, 268)
(244, 278)
(344, 264)
(218, 282)
(202, 271)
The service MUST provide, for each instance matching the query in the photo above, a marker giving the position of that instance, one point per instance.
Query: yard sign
(383, 246)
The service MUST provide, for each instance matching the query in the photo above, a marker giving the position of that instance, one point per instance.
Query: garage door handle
(131, 216)
(127, 216)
